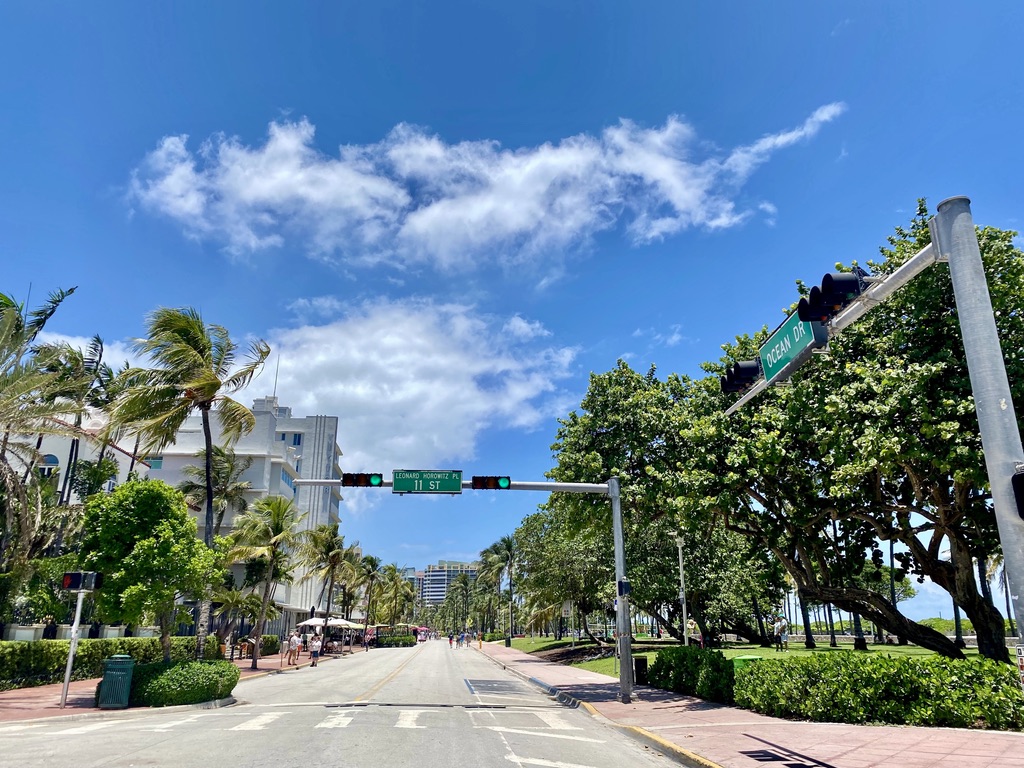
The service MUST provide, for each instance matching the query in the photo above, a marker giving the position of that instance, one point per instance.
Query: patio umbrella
(318, 622)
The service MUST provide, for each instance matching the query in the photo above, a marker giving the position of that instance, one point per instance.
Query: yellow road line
(388, 679)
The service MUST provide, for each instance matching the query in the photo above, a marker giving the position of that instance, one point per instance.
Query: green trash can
(116, 684)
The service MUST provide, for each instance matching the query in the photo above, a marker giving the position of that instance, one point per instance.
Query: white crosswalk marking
(407, 718)
(540, 732)
(542, 762)
(258, 723)
(337, 720)
(555, 722)
(173, 723)
(83, 729)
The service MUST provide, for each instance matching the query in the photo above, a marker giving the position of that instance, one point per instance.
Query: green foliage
(91, 476)
(694, 671)
(270, 645)
(396, 641)
(141, 538)
(42, 662)
(846, 687)
(182, 682)
(490, 637)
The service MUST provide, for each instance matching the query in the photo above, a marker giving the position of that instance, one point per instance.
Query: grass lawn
(609, 666)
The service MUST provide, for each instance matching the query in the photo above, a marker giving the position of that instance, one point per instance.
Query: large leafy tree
(193, 370)
(141, 538)
(268, 532)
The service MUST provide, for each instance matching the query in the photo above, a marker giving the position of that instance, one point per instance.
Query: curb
(645, 737)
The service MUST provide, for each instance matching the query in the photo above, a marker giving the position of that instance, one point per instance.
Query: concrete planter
(147, 632)
(27, 632)
(107, 631)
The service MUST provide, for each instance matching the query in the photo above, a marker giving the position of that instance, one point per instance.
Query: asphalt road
(422, 706)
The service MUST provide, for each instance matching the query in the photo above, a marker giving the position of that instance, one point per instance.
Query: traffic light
(77, 580)
(72, 580)
(491, 483)
(836, 291)
(739, 377)
(362, 479)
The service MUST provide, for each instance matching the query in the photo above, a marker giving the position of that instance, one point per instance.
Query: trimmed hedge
(271, 644)
(182, 682)
(846, 687)
(694, 671)
(24, 664)
(396, 641)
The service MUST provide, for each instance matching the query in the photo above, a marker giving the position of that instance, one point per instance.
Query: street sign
(566, 609)
(789, 347)
(426, 481)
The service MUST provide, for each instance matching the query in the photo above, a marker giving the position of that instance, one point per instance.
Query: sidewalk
(44, 700)
(697, 733)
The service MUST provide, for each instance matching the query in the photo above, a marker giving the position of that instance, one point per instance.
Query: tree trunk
(203, 626)
(1009, 610)
(833, 643)
(762, 634)
(808, 633)
(257, 633)
(208, 437)
(958, 627)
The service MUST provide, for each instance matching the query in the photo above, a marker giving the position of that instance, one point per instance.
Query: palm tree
(322, 550)
(29, 405)
(266, 531)
(397, 594)
(229, 490)
(194, 370)
(506, 551)
(369, 573)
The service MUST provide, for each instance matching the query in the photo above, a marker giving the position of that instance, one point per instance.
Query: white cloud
(522, 329)
(415, 383)
(414, 198)
(115, 353)
(316, 306)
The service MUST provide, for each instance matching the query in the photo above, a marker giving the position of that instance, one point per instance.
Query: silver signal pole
(954, 235)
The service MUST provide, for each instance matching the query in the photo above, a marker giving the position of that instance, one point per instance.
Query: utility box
(116, 685)
(640, 670)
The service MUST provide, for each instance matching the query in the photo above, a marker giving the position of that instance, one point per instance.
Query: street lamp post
(682, 591)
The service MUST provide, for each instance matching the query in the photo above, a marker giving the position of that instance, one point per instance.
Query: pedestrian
(451, 639)
(293, 647)
(314, 649)
(777, 633)
(784, 633)
(462, 639)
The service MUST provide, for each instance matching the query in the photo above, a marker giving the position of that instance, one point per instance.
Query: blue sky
(444, 216)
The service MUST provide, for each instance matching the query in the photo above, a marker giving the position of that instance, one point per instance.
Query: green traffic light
(504, 482)
(376, 480)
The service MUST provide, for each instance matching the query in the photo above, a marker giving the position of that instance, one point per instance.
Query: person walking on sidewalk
(293, 647)
(314, 649)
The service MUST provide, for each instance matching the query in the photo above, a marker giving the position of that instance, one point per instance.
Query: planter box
(106, 631)
(64, 631)
(147, 632)
(27, 632)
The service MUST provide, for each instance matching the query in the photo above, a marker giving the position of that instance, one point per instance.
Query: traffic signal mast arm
(879, 289)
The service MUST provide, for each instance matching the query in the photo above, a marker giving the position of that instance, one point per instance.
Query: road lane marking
(538, 732)
(554, 721)
(542, 762)
(258, 723)
(389, 678)
(407, 718)
(84, 729)
(172, 724)
(15, 728)
(338, 720)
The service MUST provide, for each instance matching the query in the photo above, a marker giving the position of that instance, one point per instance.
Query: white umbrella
(345, 623)
(317, 622)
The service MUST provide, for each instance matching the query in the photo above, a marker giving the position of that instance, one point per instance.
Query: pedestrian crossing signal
(362, 479)
(82, 580)
(491, 483)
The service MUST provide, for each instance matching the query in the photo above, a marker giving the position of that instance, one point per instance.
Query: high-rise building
(438, 578)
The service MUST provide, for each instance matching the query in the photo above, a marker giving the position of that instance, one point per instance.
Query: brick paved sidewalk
(44, 700)
(698, 733)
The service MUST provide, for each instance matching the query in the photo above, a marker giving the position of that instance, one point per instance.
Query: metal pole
(682, 592)
(71, 649)
(954, 235)
(622, 614)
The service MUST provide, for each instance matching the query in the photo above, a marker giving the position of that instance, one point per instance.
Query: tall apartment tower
(438, 578)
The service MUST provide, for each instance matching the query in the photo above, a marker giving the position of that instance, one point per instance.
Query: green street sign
(789, 347)
(426, 481)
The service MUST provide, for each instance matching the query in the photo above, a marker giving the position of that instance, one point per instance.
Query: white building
(283, 448)
(438, 578)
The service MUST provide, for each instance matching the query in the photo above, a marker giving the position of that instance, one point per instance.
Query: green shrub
(693, 671)
(24, 664)
(271, 644)
(846, 687)
(490, 637)
(396, 641)
(182, 682)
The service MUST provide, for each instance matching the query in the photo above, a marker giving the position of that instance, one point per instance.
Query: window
(298, 467)
(49, 465)
(283, 436)
(155, 462)
(287, 479)
(297, 438)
